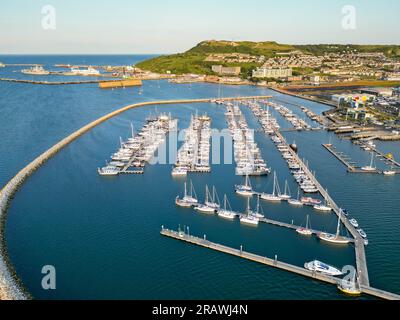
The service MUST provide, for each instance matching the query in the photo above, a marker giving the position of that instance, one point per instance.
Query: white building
(272, 72)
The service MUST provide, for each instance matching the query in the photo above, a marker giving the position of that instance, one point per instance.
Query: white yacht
(323, 208)
(108, 171)
(179, 171)
(321, 267)
(354, 223)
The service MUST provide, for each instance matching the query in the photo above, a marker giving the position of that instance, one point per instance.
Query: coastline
(10, 286)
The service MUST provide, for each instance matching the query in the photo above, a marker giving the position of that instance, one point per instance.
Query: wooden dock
(203, 242)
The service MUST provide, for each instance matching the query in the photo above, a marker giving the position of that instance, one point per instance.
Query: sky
(169, 26)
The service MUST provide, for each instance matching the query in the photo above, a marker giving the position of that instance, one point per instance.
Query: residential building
(228, 71)
(272, 72)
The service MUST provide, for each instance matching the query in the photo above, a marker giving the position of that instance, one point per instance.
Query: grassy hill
(192, 61)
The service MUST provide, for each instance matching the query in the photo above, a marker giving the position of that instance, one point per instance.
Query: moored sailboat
(305, 231)
(226, 212)
(334, 238)
(275, 196)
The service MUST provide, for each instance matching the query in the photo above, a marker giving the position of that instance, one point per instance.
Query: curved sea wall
(10, 288)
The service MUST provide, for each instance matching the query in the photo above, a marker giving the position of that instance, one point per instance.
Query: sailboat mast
(185, 190)
(132, 130)
(338, 226)
(273, 191)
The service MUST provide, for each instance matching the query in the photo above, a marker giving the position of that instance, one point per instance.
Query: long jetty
(10, 289)
(361, 260)
(53, 83)
(203, 242)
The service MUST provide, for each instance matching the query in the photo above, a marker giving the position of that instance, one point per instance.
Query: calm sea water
(102, 234)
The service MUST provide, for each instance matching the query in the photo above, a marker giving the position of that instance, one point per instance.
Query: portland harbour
(123, 231)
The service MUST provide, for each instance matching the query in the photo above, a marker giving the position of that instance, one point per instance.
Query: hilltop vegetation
(192, 61)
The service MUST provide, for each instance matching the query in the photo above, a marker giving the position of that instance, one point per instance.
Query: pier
(9, 287)
(340, 156)
(361, 259)
(203, 242)
(55, 83)
(386, 157)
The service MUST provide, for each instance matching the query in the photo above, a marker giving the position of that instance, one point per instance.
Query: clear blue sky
(166, 26)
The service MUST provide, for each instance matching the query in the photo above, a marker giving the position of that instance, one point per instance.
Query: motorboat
(321, 267)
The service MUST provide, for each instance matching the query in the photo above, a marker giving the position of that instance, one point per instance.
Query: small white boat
(324, 268)
(389, 173)
(354, 223)
(362, 233)
(108, 171)
(179, 171)
(321, 207)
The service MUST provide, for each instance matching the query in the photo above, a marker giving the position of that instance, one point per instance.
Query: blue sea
(103, 234)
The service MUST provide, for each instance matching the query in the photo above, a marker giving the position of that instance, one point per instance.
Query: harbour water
(102, 234)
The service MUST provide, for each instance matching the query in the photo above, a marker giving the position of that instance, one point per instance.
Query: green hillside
(192, 61)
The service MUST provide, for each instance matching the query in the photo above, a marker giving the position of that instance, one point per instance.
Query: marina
(232, 215)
